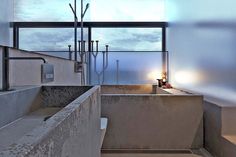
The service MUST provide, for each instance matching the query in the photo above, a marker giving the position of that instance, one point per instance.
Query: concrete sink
(32, 119)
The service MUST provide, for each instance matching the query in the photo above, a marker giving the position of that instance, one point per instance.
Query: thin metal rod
(16, 37)
(79, 43)
(103, 66)
(73, 10)
(87, 6)
(75, 28)
(89, 57)
(70, 53)
(92, 43)
(164, 55)
(95, 54)
(117, 71)
(168, 67)
(82, 26)
(83, 60)
(84, 55)
(106, 63)
(82, 39)
(5, 69)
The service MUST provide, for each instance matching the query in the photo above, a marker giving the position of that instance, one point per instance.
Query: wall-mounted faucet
(47, 70)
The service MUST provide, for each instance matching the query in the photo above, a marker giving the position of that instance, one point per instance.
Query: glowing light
(186, 77)
(154, 75)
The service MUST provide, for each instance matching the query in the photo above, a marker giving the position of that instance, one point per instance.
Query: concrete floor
(196, 153)
(150, 155)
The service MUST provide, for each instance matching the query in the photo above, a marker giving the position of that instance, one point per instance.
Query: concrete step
(104, 123)
(229, 146)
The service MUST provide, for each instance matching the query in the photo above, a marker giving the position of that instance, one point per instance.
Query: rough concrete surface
(15, 104)
(132, 89)
(153, 121)
(150, 155)
(28, 72)
(73, 131)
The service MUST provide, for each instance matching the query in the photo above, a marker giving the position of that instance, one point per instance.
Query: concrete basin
(50, 121)
(140, 119)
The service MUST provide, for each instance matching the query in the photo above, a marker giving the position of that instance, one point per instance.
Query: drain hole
(46, 118)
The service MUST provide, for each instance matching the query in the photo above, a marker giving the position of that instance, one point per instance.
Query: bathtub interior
(36, 100)
(132, 89)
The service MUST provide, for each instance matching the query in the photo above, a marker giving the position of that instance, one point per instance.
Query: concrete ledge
(220, 129)
(229, 146)
(104, 123)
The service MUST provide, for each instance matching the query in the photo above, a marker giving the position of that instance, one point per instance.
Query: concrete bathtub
(139, 119)
(50, 121)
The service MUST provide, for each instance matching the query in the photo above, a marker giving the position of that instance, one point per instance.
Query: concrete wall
(6, 12)
(22, 101)
(28, 72)
(219, 129)
(72, 132)
(15, 104)
(212, 128)
(153, 121)
(201, 42)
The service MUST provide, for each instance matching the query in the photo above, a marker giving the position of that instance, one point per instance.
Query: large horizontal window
(129, 39)
(53, 41)
(135, 54)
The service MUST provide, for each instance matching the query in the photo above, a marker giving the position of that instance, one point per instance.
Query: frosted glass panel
(134, 68)
(189, 10)
(201, 42)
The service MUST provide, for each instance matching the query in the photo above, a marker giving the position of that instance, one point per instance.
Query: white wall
(28, 72)
(201, 41)
(6, 16)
